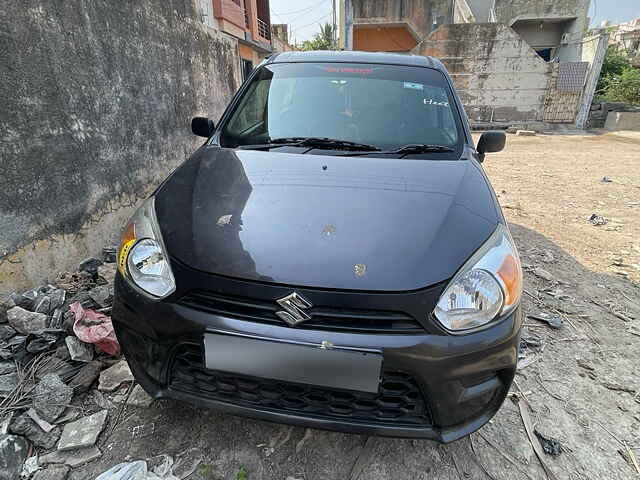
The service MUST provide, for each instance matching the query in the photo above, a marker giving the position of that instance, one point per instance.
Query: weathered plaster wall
(420, 14)
(96, 98)
(509, 10)
(499, 77)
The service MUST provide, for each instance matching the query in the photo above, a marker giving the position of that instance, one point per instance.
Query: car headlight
(142, 256)
(488, 286)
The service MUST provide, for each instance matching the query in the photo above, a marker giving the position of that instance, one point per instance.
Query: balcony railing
(264, 30)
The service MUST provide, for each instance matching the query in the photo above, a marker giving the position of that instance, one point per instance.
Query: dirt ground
(581, 381)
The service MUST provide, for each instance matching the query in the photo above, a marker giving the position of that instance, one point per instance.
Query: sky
(616, 11)
(304, 16)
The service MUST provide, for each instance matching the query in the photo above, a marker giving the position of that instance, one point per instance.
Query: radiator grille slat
(322, 317)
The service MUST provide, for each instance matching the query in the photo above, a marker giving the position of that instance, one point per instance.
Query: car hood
(356, 223)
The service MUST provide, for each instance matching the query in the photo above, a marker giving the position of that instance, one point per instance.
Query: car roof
(350, 56)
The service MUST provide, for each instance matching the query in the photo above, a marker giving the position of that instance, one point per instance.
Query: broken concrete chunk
(139, 398)
(542, 273)
(57, 296)
(44, 425)
(26, 322)
(23, 425)
(82, 433)
(6, 332)
(5, 304)
(54, 472)
(525, 133)
(102, 296)
(51, 397)
(8, 382)
(90, 265)
(88, 374)
(7, 367)
(13, 453)
(107, 272)
(113, 377)
(41, 341)
(42, 304)
(79, 351)
(71, 458)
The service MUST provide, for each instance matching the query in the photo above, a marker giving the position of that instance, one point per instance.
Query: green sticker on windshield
(413, 86)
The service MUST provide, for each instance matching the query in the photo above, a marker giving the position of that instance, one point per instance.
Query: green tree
(324, 40)
(624, 87)
(615, 62)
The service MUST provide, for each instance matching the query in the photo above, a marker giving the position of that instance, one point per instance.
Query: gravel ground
(580, 382)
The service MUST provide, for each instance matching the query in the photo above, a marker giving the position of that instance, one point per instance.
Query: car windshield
(383, 106)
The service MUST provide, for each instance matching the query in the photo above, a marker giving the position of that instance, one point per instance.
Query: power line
(305, 9)
(309, 24)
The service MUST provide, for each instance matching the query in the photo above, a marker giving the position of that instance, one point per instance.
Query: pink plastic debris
(94, 327)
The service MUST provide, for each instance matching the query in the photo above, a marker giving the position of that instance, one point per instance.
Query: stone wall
(498, 76)
(97, 98)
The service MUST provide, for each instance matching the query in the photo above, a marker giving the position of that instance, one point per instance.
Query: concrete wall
(96, 98)
(499, 77)
(507, 11)
(420, 14)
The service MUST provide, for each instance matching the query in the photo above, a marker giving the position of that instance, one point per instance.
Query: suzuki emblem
(294, 306)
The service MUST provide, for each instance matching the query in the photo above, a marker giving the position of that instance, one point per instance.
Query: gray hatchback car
(332, 256)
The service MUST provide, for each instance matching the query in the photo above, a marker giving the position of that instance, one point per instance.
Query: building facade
(511, 60)
(248, 21)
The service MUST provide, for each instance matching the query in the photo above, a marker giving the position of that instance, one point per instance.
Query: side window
(250, 113)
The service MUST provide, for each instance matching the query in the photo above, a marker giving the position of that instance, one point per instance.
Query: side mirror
(490, 142)
(202, 126)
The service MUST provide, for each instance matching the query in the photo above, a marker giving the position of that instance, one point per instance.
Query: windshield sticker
(359, 71)
(431, 101)
(413, 86)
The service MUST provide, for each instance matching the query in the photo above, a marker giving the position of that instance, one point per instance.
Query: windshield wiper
(314, 142)
(411, 148)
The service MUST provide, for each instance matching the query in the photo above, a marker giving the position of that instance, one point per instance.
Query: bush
(623, 88)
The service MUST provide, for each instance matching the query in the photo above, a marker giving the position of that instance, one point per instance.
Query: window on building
(247, 68)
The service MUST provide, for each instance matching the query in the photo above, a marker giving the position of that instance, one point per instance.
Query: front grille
(324, 318)
(398, 402)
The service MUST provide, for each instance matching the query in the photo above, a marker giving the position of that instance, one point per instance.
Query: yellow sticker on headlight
(124, 252)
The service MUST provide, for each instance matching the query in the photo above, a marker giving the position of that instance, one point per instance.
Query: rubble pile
(57, 344)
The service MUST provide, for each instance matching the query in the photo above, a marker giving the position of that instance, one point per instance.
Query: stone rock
(78, 350)
(6, 332)
(62, 352)
(82, 433)
(41, 341)
(23, 425)
(7, 367)
(51, 397)
(5, 304)
(526, 133)
(24, 300)
(42, 304)
(108, 272)
(13, 453)
(57, 296)
(102, 296)
(54, 472)
(109, 254)
(542, 273)
(68, 320)
(114, 376)
(90, 265)
(139, 398)
(71, 458)
(8, 382)
(56, 319)
(88, 374)
(26, 322)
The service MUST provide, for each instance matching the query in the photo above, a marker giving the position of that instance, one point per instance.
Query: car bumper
(462, 380)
